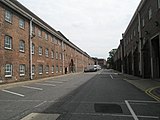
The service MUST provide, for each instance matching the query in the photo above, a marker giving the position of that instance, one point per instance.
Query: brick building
(139, 50)
(31, 49)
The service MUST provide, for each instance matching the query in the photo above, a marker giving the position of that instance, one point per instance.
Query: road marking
(149, 92)
(111, 76)
(143, 101)
(40, 104)
(54, 82)
(131, 110)
(46, 84)
(14, 93)
(41, 116)
(35, 88)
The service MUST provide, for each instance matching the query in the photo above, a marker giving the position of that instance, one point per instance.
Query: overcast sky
(95, 26)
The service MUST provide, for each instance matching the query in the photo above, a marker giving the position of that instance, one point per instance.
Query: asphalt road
(102, 95)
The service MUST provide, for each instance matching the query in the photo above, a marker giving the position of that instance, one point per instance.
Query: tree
(110, 60)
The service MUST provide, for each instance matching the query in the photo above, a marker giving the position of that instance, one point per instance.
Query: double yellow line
(149, 92)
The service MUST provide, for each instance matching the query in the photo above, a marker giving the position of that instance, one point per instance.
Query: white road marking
(131, 110)
(137, 101)
(41, 116)
(35, 88)
(46, 84)
(54, 82)
(40, 104)
(14, 93)
(115, 115)
(111, 76)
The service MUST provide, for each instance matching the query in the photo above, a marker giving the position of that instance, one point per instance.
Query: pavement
(149, 86)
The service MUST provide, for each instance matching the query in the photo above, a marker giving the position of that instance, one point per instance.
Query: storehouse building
(32, 49)
(139, 50)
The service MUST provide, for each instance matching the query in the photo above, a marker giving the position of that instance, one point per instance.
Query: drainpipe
(30, 39)
(140, 44)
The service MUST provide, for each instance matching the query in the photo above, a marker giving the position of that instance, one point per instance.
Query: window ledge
(7, 76)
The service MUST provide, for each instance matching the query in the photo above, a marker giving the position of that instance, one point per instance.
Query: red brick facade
(52, 53)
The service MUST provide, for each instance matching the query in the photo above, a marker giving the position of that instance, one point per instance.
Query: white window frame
(60, 69)
(8, 42)
(33, 48)
(52, 69)
(47, 52)
(47, 69)
(143, 22)
(40, 50)
(150, 13)
(8, 16)
(46, 36)
(22, 70)
(21, 46)
(40, 69)
(21, 23)
(8, 69)
(57, 69)
(52, 54)
(33, 69)
(39, 33)
(56, 55)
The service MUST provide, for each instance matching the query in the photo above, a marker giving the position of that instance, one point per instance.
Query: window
(150, 13)
(8, 16)
(8, 70)
(39, 33)
(33, 47)
(60, 68)
(143, 22)
(134, 33)
(40, 69)
(52, 69)
(56, 68)
(52, 39)
(21, 46)
(158, 3)
(60, 56)
(40, 50)
(33, 69)
(56, 55)
(22, 70)
(8, 42)
(55, 41)
(59, 43)
(52, 54)
(33, 29)
(21, 23)
(46, 52)
(131, 36)
(47, 69)
(46, 36)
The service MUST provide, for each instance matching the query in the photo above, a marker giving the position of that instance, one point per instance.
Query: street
(102, 95)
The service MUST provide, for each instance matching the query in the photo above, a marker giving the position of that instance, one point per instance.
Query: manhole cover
(107, 108)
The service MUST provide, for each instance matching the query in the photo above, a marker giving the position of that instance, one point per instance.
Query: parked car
(92, 68)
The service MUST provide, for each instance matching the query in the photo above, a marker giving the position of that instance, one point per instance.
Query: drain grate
(107, 108)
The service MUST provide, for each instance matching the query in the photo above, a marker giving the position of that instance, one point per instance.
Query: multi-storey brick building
(31, 49)
(139, 49)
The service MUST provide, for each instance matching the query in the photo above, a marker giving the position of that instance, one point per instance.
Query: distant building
(101, 62)
(32, 49)
(139, 50)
